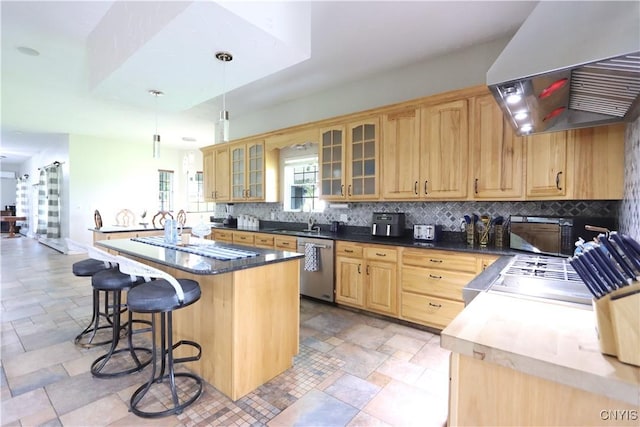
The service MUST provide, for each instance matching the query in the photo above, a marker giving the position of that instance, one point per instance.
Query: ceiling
(98, 60)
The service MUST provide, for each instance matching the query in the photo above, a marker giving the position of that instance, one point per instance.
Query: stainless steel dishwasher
(319, 283)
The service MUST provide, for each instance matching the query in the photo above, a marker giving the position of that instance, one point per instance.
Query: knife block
(618, 323)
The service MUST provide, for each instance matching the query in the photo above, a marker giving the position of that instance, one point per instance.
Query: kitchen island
(520, 361)
(247, 319)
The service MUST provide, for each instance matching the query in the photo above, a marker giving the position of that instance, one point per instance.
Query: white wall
(111, 175)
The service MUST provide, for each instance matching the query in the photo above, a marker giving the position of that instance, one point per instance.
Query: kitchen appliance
(387, 224)
(316, 278)
(428, 232)
(336, 226)
(542, 277)
(570, 65)
(553, 235)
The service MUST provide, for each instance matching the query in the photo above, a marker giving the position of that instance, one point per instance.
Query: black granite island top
(200, 256)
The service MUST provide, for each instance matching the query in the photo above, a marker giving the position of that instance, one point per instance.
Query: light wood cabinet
(431, 285)
(243, 238)
(285, 243)
(496, 154)
(597, 163)
(546, 165)
(222, 235)
(254, 172)
(401, 155)
(216, 163)
(349, 157)
(444, 158)
(264, 240)
(366, 277)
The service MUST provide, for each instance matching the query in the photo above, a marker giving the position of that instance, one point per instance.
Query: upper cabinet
(496, 154)
(444, 142)
(547, 165)
(253, 172)
(401, 155)
(216, 173)
(349, 161)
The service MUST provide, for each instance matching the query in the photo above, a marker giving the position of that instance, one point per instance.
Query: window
(165, 190)
(195, 193)
(301, 185)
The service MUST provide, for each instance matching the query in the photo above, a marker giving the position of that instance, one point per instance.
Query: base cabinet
(485, 394)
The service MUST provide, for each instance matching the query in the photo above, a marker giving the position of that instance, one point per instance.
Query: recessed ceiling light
(188, 139)
(28, 51)
(2, 156)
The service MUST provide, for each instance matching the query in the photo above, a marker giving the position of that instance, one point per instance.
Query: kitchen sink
(296, 232)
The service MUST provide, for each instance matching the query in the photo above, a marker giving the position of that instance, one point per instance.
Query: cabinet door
(444, 143)
(221, 174)
(496, 153)
(546, 165)
(597, 163)
(238, 163)
(362, 153)
(208, 172)
(401, 155)
(332, 160)
(382, 287)
(349, 287)
(255, 171)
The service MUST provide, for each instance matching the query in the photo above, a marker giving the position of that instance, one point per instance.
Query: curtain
(22, 200)
(42, 203)
(53, 205)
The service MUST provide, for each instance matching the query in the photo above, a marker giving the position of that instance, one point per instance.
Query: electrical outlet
(273, 216)
(344, 217)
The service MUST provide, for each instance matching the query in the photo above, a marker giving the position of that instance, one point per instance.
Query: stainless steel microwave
(553, 235)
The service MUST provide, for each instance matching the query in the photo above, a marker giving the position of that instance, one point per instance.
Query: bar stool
(160, 298)
(87, 268)
(114, 282)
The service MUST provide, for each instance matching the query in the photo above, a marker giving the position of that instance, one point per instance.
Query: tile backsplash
(630, 206)
(447, 214)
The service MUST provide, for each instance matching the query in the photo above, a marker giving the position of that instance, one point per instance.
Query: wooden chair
(159, 218)
(181, 217)
(125, 218)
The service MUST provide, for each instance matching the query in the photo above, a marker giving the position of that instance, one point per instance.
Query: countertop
(544, 339)
(125, 229)
(197, 264)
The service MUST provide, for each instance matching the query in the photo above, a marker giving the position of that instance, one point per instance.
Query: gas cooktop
(543, 277)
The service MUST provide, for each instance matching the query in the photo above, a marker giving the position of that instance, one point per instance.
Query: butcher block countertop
(555, 342)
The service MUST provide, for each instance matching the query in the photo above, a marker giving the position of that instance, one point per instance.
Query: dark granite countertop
(122, 229)
(197, 264)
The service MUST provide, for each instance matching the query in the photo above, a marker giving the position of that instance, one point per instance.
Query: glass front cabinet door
(363, 146)
(332, 159)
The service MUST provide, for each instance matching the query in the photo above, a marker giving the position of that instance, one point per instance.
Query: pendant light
(156, 136)
(222, 134)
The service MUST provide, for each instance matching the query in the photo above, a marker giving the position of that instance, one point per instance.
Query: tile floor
(352, 369)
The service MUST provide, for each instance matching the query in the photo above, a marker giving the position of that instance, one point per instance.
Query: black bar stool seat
(88, 267)
(160, 298)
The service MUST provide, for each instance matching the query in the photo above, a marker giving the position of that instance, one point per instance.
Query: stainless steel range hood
(573, 65)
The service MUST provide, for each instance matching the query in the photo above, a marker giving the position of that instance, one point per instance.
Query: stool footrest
(187, 358)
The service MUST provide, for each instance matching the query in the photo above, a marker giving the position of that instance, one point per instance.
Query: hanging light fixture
(222, 134)
(156, 136)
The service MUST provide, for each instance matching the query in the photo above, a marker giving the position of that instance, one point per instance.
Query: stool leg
(99, 364)
(94, 325)
(166, 363)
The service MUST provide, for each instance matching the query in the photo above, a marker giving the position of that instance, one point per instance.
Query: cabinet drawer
(286, 243)
(442, 260)
(242, 238)
(381, 253)
(348, 249)
(223, 235)
(430, 311)
(263, 240)
(439, 283)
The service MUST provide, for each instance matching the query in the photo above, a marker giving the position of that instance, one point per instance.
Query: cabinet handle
(415, 187)
(367, 270)
(349, 190)
(475, 186)
(433, 276)
(558, 180)
(379, 254)
(359, 270)
(248, 193)
(435, 305)
(349, 251)
(435, 260)
(425, 187)
(342, 190)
